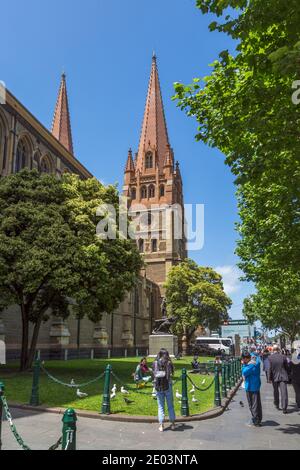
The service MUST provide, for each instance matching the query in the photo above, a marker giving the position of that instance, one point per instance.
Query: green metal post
(217, 387)
(185, 400)
(69, 430)
(234, 371)
(224, 387)
(34, 399)
(231, 374)
(106, 392)
(1, 411)
(227, 376)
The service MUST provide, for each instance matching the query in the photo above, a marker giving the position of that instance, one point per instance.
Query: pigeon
(113, 395)
(178, 395)
(114, 389)
(241, 404)
(73, 383)
(194, 400)
(128, 402)
(124, 391)
(81, 394)
(192, 389)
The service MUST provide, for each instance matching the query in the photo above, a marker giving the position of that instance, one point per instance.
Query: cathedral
(152, 184)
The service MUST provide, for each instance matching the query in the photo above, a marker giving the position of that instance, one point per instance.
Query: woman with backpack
(163, 370)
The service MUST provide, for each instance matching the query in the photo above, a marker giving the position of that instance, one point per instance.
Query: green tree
(277, 306)
(49, 251)
(196, 295)
(245, 109)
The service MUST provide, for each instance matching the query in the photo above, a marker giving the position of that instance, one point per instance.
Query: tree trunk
(34, 340)
(25, 337)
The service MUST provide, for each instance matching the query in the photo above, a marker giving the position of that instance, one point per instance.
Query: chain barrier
(198, 388)
(64, 384)
(14, 431)
(56, 445)
(13, 428)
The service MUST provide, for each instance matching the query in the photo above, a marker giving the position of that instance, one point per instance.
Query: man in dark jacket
(278, 375)
(295, 375)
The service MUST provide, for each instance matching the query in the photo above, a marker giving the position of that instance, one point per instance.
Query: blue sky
(105, 48)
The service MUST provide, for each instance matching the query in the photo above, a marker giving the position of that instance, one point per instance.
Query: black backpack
(161, 383)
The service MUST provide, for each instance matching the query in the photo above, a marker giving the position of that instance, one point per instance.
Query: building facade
(152, 179)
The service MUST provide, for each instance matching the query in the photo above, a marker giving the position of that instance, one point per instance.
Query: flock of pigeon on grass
(125, 392)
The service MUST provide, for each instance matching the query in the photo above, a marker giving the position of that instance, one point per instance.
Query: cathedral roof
(154, 129)
(61, 125)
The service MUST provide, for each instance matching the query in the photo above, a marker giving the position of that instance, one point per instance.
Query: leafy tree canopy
(196, 295)
(49, 251)
(245, 109)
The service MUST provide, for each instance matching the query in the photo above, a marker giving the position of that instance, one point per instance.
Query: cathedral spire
(154, 135)
(61, 125)
(129, 164)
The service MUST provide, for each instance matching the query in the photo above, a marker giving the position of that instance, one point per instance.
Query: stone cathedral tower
(153, 180)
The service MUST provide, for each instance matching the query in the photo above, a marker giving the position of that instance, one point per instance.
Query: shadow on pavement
(291, 429)
(270, 423)
(180, 428)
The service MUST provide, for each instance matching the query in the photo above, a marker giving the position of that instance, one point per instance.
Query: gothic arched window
(162, 191)
(22, 155)
(149, 160)
(151, 191)
(143, 192)
(133, 193)
(45, 165)
(141, 245)
(154, 245)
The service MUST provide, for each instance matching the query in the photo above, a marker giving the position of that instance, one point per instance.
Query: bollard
(234, 372)
(231, 374)
(224, 387)
(34, 399)
(1, 411)
(217, 388)
(184, 401)
(69, 430)
(106, 392)
(227, 377)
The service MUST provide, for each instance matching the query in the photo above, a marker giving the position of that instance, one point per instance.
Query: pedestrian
(278, 375)
(266, 363)
(163, 371)
(295, 376)
(143, 374)
(251, 375)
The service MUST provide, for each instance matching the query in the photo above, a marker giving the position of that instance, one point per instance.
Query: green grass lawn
(18, 386)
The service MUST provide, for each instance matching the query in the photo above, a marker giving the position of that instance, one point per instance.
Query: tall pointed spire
(154, 133)
(129, 164)
(61, 125)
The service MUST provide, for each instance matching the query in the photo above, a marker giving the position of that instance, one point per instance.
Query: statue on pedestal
(162, 326)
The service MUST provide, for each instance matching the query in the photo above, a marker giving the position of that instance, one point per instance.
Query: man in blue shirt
(251, 374)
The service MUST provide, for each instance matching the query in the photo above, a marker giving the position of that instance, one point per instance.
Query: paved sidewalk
(230, 431)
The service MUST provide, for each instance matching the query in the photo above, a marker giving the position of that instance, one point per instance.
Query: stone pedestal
(100, 336)
(59, 332)
(169, 342)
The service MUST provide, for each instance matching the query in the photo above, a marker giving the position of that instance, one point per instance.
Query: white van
(224, 344)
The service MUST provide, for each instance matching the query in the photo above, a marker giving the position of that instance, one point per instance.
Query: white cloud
(231, 275)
